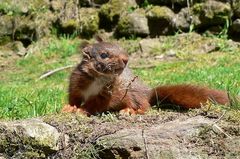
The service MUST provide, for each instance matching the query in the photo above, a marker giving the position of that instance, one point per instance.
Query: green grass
(217, 70)
(22, 95)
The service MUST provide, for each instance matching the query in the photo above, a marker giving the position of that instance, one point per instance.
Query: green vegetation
(22, 95)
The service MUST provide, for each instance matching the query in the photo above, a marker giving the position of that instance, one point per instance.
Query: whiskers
(111, 67)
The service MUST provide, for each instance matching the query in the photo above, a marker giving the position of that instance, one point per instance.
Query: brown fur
(103, 83)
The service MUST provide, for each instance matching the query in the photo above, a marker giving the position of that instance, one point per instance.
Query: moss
(111, 9)
(7, 7)
(89, 22)
(110, 12)
(211, 13)
(158, 12)
(100, 1)
(6, 25)
(236, 9)
(23, 6)
(33, 154)
(4, 40)
(212, 9)
(71, 23)
(124, 25)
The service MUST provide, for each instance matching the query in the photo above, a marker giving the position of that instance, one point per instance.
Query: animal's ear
(84, 44)
(85, 48)
(86, 52)
(98, 38)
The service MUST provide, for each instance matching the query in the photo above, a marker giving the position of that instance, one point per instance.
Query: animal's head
(104, 58)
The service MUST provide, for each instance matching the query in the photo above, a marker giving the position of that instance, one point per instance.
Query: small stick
(49, 73)
(128, 86)
(220, 117)
(214, 125)
(221, 130)
(143, 67)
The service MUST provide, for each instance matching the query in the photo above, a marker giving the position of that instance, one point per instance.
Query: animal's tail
(187, 96)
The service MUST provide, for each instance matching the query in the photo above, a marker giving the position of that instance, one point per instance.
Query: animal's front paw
(127, 111)
(73, 109)
(69, 109)
(82, 111)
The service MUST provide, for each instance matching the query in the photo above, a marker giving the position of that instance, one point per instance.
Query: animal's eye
(104, 55)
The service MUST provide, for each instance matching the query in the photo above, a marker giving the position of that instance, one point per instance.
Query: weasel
(103, 82)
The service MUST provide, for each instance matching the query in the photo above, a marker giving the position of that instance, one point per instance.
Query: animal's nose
(125, 60)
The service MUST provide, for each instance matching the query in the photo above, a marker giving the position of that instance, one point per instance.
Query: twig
(143, 67)
(214, 125)
(221, 130)
(220, 117)
(128, 86)
(54, 71)
(145, 144)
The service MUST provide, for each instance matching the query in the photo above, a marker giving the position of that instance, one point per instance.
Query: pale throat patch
(94, 88)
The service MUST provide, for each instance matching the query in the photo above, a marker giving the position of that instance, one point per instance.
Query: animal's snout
(125, 61)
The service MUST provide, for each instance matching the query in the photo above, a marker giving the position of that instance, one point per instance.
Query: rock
(57, 5)
(174, 4)
(158, 141)
(92, 3)
(182, 21)
(160, 21)
(134, 23)
(26, 22)
(236, 9)
(211, 13)
(43, 23)
(26, 28)
(6, 25)
(163, 135)
(68, 18)
(110, 12)
(149, 45)
(6, 29)
(182, 44)
(236, 26)
(89, 22)
(23, 6)
(100, 1)
(18, 48)
(28, 134)
(33, 27)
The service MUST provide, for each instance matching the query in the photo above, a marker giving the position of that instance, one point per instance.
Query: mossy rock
(33, 27)
(110, 12)
(89, 22)
(211, 13)
(100, 1)
(43, 23)
(6, 26)
(92, 3)
(160, 21)
(158, 12)
(24, 28)
(23, 6)
(57, 5)
(26, 136)
(68, 18)
(236, 9)
(133, 24)
(183, 20)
